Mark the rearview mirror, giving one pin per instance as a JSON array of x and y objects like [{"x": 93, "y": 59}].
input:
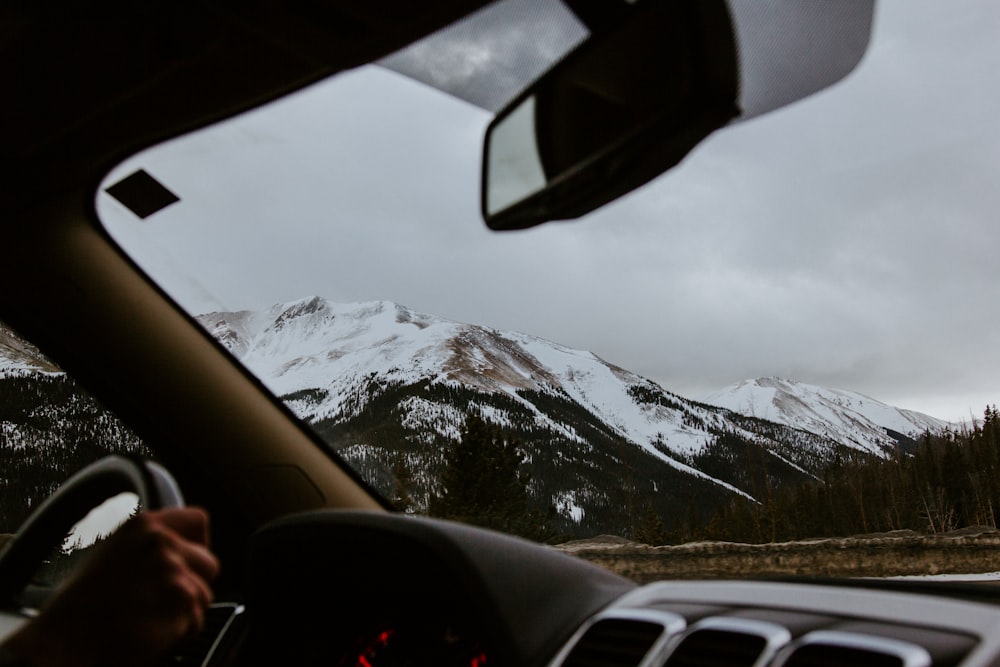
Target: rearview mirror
[{"x": 626, "y": 105}]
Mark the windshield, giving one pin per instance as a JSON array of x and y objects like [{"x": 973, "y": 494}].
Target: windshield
[{"x": 709, "y": 357}]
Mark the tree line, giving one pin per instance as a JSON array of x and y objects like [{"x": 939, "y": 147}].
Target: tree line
[
  {"x": 504, "y": 477},
  {"x": 947, "y": 481},
  {"x": 950, "y": 480}
]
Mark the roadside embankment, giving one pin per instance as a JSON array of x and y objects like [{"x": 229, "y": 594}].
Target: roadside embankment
[{"x": 897, "y": 553}]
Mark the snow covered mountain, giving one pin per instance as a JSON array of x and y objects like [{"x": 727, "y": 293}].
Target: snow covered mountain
[
  {"x": 19, "y": 356},
  {"x": 391, "y": 388},
  {"x": 49, "y": 429},
  {"x": 848, "y": 417},
  {"x": 318, "y": 345}
]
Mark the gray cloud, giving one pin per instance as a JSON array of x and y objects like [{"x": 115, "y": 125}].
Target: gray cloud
[{"x": 523, "y": 39}]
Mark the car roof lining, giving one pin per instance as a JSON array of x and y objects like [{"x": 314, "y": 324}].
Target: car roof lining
[{"x": 143, "y": 72}]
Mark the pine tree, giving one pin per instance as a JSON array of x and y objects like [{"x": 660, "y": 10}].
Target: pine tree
[
  {"x": 481, "y": 482},
  {"x": 402, "y": 482},
  {"x": 651, "y": 530}
]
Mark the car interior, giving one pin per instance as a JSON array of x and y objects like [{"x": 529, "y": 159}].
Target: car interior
[{"x": 317, "y": 566}]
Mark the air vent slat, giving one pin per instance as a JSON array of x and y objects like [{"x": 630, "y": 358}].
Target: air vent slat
[
  {"x": 838, "y": 656},
  {"x": 836, "y": 649},
  {"x": 614, "y": 643},
  {"x": 717, "y": 648}
]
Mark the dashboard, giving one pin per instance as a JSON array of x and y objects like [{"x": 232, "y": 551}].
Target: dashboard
[
  {"x": 377, "y": 590},
  {"x": 360, "y": 588}
]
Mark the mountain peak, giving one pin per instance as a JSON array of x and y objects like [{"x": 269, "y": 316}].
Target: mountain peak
[
  {"x": 313, "y": 309},
  {"x": 847, "y": 416}
]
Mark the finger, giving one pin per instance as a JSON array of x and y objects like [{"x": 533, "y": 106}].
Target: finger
[
  {"x": 187, "y": 595},
  {"x": 198, "y": 559},
  {"x": 190, "y": 522},
  {"x": 193, "y": 598},
  {"x": 195, "y": 591}
]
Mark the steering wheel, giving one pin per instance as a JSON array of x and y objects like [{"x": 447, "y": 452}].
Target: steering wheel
[{"x": 106, "y": 478}]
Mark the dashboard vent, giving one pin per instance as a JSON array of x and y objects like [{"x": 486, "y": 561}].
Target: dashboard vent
[
  {"x": 728, "y": 642},
  {"x": 835, "y": 649},
  {"x": 222, "y": 621},
  {"x": 614, "y": 642},
  {"x": 621, "y": 639}
]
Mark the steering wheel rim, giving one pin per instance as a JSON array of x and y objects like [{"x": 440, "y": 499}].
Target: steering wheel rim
[{"x": 106, "y": 478}]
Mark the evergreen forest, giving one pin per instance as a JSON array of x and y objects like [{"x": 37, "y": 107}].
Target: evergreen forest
[
  {"x": 949, "y": 481},
  {"x": 946, "y": 482},
  {"x": 49, "y": 429}
]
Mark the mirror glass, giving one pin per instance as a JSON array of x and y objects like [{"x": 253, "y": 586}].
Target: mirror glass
[{"x": 514, "y": 169}]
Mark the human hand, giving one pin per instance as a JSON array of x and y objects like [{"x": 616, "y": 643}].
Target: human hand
[{"x": 144, "y": 589}]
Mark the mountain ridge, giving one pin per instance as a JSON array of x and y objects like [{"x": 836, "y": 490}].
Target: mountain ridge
[
  {"x": 848, "y": 416},
  {"x": 390, "y": 388},
  {"x": 386, "y": 383}
]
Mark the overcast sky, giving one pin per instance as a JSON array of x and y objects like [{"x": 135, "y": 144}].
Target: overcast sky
[{"x": 848, "y": 240}]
